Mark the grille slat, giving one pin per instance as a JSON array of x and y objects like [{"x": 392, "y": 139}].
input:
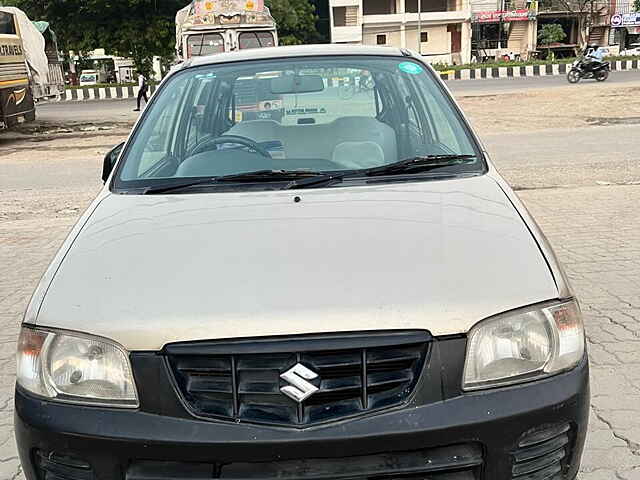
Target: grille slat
[
  {"x": 246, "y": 386},
  {"x": 542, "y": 454}
]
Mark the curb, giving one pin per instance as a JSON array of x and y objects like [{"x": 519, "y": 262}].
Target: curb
[
  {"x": 527, "y": 71},
  {"x": 102, "y": 93}
]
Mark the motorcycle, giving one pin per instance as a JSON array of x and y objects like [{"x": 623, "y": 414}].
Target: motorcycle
[{"x": 582, "y": 69}]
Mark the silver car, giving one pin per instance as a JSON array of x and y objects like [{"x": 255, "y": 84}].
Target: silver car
[{"x": 303, "y": 266}]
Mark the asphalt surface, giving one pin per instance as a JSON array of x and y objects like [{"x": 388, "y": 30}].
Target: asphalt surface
[
  {"x": 122, "y": 110},
  {"x": 581, "y": 184},
  {"x": 519, "y": 84}
]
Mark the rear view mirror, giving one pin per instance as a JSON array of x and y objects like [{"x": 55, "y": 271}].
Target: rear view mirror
[
  {"x": 289, "y": 84},
  {"x": 110, "y": 160}
]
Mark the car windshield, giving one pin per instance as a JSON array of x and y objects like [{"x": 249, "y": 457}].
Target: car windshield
[{"x": 313, "y": 114}]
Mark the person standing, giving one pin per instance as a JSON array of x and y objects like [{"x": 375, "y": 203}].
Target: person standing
[{"x": 142, "y": 92}]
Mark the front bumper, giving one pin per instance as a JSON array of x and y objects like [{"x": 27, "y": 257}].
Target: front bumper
[{"x": 519, "y": 432}]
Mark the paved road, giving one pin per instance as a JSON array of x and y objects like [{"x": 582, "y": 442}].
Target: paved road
[
  {"x": 514, "y": 85},
  {"x": 46, "y": 183},
  {"x": 89, "y": 111},
  {"x": 122, "y": 110}
]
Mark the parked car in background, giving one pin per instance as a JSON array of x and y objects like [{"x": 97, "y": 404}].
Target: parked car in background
[
  {"x": 632, "y": 51},
  {"x": 348, "y": 289},
  {"x": 92, "y": 77}
]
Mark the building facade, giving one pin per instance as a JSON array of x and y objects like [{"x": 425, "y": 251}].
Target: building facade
[
  {"x": 503, "y": 28},
  {"x": 443, "y": 27},
  {"x": 625, "y": 26}
]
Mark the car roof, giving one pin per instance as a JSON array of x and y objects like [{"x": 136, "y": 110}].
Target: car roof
[{"x": 270, "y": 53}]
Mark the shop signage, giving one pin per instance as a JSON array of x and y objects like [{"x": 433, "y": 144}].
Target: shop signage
[
  {"x": 504, "y": 15},
  {"x": 626, "y": 20}
]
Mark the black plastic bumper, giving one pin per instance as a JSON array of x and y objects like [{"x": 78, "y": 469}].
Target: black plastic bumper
[{"x": 493, "y": 435}]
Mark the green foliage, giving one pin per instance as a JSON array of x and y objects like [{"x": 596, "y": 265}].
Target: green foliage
[
  {"x": 636, "y": 5},
  {"x": 551, "y": 33},
  {"x": 296, "y": 21},
  {"x": 139, "y": 29}
]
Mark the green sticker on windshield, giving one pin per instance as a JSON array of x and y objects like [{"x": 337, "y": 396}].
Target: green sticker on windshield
[{"x": 410, "y": 67}]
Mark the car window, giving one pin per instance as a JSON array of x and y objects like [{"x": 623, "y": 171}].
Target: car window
[
  {"x": 324, "y": 114},
  {"x": 354, "y": 86}
]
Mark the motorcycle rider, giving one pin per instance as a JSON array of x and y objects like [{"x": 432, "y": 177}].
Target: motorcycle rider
[{"x": 593, "y": 57}]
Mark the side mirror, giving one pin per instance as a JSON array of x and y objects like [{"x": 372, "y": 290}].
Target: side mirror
[{"x": 110, "y": 160}]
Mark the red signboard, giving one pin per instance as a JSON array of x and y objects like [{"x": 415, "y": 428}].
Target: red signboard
[{"x": 507, "y": 16}]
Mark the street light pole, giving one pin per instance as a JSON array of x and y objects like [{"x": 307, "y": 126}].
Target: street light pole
[
  {"x": 500, "y": 24},
  {"x": 420, "y": 27}
]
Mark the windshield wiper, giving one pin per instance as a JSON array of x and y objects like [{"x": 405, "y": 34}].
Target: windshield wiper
[
  {"x": 257, "y": 176},
  {"x": 315, "y": 181},
  {"x": 427, "y": 162}
]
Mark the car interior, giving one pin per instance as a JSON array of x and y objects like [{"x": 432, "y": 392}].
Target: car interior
[{"x": 316, "y": 121}]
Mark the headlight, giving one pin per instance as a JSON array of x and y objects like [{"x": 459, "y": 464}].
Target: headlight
[
  {"x": 75, "y": 368},
  {"x": 524, "y": 345}
]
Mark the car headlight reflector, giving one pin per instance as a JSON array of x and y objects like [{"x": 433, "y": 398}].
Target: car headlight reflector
[
  {"x": 524, "y": 345},
  {"x": 75, "y": 368}
]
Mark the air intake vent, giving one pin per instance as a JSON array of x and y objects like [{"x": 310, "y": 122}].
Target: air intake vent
[
  {"x": 541, "y": 454},
  {"x": 348, "y": 375},
  {"x": 55, "y": 466}
]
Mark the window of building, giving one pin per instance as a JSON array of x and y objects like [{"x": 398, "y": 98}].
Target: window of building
[
  {"x": 345, "y": 16},
  {"x": 381, "y": 39},
  {"x": 339, "y": 16},
  {"x": 379, "y": 7},
  {"x": 7, "y": 25},
  {"x": 424, "y": 37},
  {"x": 411, "y": 6}
]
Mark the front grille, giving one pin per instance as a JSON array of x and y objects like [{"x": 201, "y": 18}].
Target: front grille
[
  {"x": 457, "y": 462},
  {"x": 241, "y": 380},
  {"x": 54, "y": 466},
  {"x": 541, "y": 453}
]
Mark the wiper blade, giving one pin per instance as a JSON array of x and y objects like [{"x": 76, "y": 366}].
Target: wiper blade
[
  {"x": 315, "y": 181},
  {"x": 177, "y": 186},
  {"x": 256, "y": 176},
  {"x": 427, "y": 162},
  {"x": 267, "y": 175}
]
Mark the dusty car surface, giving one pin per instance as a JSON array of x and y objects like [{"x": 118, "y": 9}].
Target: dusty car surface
[{"x": 303, "y": 265}]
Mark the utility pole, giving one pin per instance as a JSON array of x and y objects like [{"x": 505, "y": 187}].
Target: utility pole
[
  {"x": 420, "y": 27},
  {"x": 500, "y": 24}
]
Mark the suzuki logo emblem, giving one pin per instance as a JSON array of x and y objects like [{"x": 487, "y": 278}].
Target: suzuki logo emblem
[{"x": 299, "y": 389}]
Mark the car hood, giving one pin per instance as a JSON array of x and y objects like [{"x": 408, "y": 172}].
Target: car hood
[{"x": 439, "y": 255}]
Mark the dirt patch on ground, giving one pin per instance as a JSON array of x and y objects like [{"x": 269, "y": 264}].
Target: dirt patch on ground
[{"x": 573, "y": 106}]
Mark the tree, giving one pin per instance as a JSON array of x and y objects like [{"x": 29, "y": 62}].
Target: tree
[
  {"x": 550, "y": 33},
  {"x": 140, "y": 29},
  {"x": 636, "y": 6},
  {"x": 296, "y": 21}
]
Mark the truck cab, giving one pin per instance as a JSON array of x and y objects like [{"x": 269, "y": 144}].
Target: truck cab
[{"x": 206, "y": 29}]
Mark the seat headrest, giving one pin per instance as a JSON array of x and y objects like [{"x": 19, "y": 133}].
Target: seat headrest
[{"x": 358, "y": 155}]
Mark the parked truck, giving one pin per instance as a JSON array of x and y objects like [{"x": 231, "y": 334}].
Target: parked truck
[
  {"x": 16, "y": 101},
  {"x": 206, "y": 27},
  {"x": 30, "y": 69}
]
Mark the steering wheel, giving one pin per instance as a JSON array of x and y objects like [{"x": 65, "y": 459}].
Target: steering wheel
[{"x": 237, "y": 139}]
